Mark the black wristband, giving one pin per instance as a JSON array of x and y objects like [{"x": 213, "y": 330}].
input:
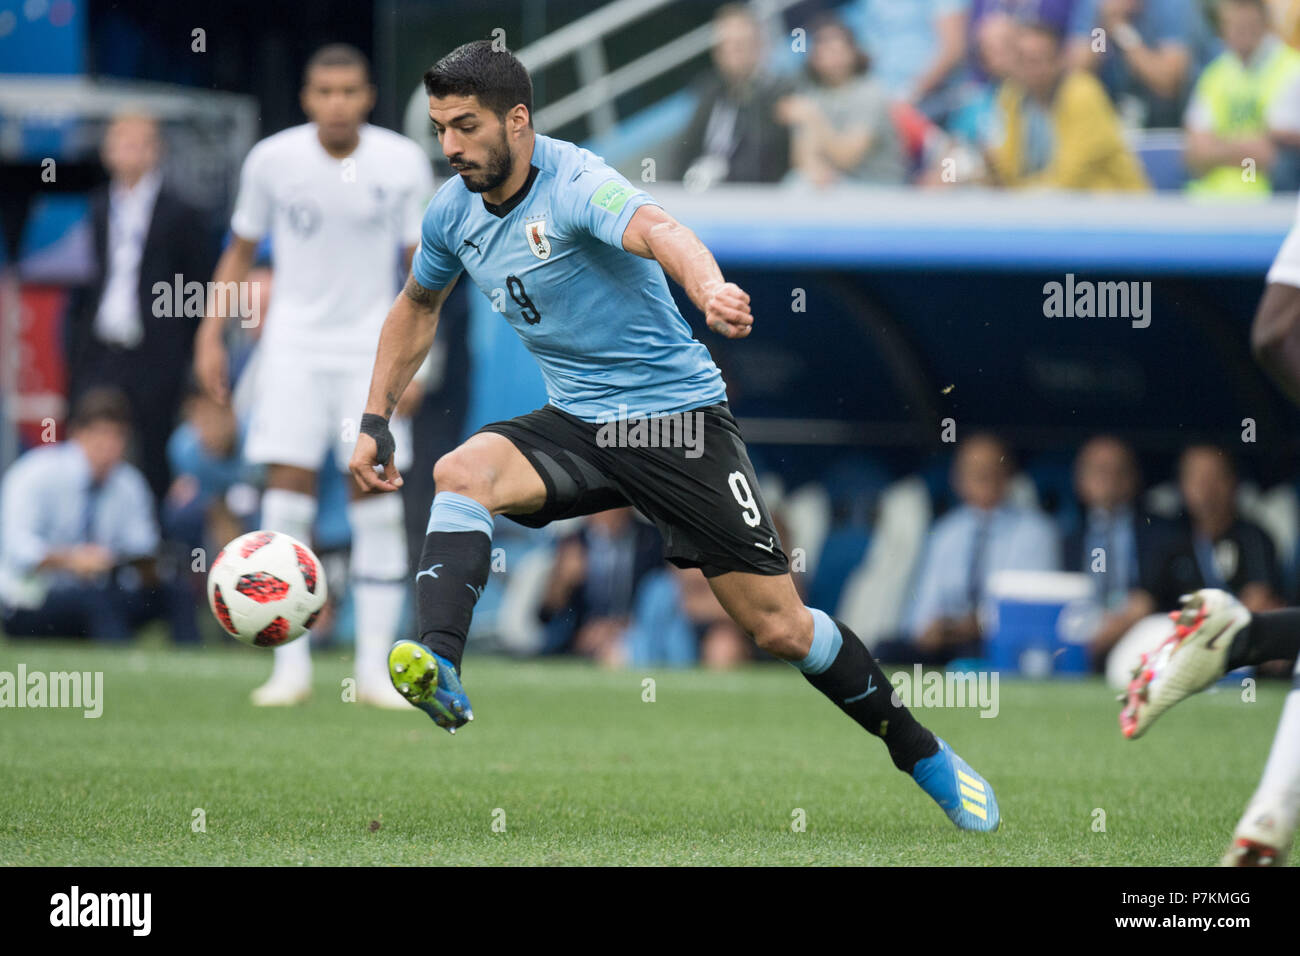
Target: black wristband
[{"x": 376, "y": 426}]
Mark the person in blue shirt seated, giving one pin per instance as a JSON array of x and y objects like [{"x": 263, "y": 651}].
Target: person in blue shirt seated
[
  {"x": 78, "y": 536},
  {"x": 985, "y": 534},
  {"x": 918, "y": 48},
  {"x": 678, "y": 622},
  {"x": 593, "y": 584},
  {"x": 213, "y": 496},
  {"x": 1147, "y": 53},
  {"x": 1120, "y": 544}
]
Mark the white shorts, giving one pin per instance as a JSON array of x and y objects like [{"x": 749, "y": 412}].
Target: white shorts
[
  {"x": 299, "y": 410},
  {"x": 1286, "y": 267}
]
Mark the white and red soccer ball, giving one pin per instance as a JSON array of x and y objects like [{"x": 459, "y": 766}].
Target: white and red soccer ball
[{"x": 266, "y": 588}]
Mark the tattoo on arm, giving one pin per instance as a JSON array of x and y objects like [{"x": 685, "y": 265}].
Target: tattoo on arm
[
  {"x": 425, "y": 298},
  {"x": 390, "y": 403}
]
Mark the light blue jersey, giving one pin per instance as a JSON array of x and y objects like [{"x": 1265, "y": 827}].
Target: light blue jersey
[{"x": 599, "y": 320}]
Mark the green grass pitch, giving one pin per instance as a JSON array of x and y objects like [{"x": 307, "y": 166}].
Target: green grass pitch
[{"x": 573, "y": 767}]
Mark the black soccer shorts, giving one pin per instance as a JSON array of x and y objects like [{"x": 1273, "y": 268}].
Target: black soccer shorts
[{"x": 688, "y": 473}]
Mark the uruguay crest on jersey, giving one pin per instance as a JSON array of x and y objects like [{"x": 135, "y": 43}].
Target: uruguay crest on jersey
[{"x": 535, "y": 230}]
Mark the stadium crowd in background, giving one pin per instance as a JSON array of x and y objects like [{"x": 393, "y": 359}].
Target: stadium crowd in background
[
  {"x": 985, "y": 534},
  {"x": 840, "y": 118},
  {"x": 1219, "y": 548},
  {"x": 1198, "y": 538},
  {"x": 734, "y": 134},
  {"x": 593, "y": 584},
  {"x": 1227, "y": 127},
  {"x": 1015, "y": 93},
  {"x": 1135, "y": 541},
  {"x": 919, "y": 49},
  {"x": 79, "y": 547},
  {"x": 1020, "y": 88},
  {"x": 1058, "y": 128},
  {"x": 1152, "y": 52}
]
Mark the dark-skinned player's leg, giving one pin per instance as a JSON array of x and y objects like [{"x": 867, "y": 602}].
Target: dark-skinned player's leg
[
  {"x": 838, "y": 664},
  {"x": 1215, "y": 633},
  {"x": 1275, "y": 339},
  {"x": 1267, "y": 827},
  {"x": 483, "y": 477},
  {"x": 1275, "y": 336}
]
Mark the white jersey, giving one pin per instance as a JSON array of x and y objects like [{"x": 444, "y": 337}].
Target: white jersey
[
  {"x": 1286, "y": 266},
  {"x": 336, "y": 227}
]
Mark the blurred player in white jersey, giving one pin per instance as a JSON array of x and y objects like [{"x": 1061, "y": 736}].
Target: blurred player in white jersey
[
  {"x": 342, "y": 200},
  {"x": 1216, "y": 634}
]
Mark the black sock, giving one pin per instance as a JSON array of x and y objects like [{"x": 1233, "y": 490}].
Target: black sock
[
  {"x": 1270, "y": 636},
  {"x": 856, "y": 685},
  {"x": 445, "y": 603}
]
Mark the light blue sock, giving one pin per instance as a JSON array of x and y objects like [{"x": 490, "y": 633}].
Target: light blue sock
[
  {"x": 453, "y": 512},
  {"x": 826, "y": 644}
]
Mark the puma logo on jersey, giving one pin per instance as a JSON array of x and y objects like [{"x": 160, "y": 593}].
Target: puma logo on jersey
[
  {"x": 474, "y": 245},
  {"x": 769, "y": 547},
  {"x": 538, "y": 244}
]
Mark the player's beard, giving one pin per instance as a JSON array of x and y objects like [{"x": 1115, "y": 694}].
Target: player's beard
[{"x": 500, "y": 164}]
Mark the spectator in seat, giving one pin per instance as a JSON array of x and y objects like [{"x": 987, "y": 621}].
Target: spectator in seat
[
  {"x": 975, "y": 125},
  {"x": 985, "y": 534},
  {"x": 734, "y": 134},
  {"x": 678, "y": 622},
  {"x": 917, "y": 47},
  {"x": 143, "y": 234},
  {"x": 1000, "y": 13},
  {"x": 1118, "y": 543},
  {"x": 1245, "y": 109},
  {"x": 1058, "y": 128},
  {"x": 841, "y": 126},
  {"x": 589, "y": 597},
  {"x": 1218, "y": 547},
  {"x": 1145, "y": 52},
  {"x": 78, "y": 536},
  {"x": 214, "y": 493}
]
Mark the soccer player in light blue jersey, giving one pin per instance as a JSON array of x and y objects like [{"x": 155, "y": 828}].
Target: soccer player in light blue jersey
[{"x": 576, "y": 256}]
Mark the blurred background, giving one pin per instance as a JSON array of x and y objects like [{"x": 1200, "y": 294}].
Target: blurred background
[{"x": 1003, "y": 254}]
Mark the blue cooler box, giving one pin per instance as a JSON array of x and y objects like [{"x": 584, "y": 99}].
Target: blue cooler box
[{"x": 1039, "y": 623}]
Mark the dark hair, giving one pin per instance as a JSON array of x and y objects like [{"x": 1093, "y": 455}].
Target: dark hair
[
  {"x": 1044, "y": 28},
  {"x": 337, "y": 54},
  {"x": 101, "y": 404},
  {"x": 828, "y": 21},
  {"x": 496, "y": 77}
]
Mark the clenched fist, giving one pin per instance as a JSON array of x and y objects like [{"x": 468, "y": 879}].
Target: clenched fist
[{"x": 727, "y": 311}]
